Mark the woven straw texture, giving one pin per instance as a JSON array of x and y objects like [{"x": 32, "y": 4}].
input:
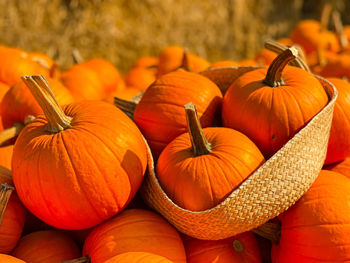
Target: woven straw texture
[{"x": 266, "y": 193}]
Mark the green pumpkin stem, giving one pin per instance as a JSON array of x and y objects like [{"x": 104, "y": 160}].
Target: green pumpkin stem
[
  {"x": 270, "y": 231},
  {"x": 5, "y": 194},
  {"x": 274, "y": 73},
  {"x": 39, "y": 87},
  {"x": 200, "y": 145},
  {"x": 128, "y": 107},
  {"x": 85, "y": 259},
  {"x": 339, "y": 28}
]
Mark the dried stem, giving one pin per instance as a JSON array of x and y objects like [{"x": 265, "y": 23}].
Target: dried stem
[
  {"x": 278, "y": 48},
  {"x": 5, "y": 194},
  {"x": 128, "y": 107},
  {"x": 270, "y": 231},
  {"x": 338, "y": 24},
  {"x": 11, "y": 132},
  {"x": 274, "y": 73},
  {"x": 77, "y": 57},
  {"x": 57, "y": 120},
  {"x": 324, "y": 20},
  {"x": 200, "y": 145},
  {"x": 85, "y": 259}
]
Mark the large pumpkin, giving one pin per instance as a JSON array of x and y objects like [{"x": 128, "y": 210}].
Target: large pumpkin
[
  {"x": 85, "y": 163},
  {"x": 50, "y": 246},
  {"x": 271, "y": 106},
  {"x": 138, "y": 257},
  {"x": 134, "y": 230},
  {"x": 160, "y": 115},
  {"x": 199, "y": 169},
  {"x": 316, "y": 228},
  {"x": 339, "y": 140},
  {"x": 242, "y": 248},
  {"x": 12, "y": 222},
  {"x": 10, "y": 259}
]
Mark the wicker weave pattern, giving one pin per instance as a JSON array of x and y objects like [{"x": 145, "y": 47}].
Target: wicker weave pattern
[{"x": 269, "y": 191}]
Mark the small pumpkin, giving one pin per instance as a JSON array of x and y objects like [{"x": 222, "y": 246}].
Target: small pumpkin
[
  {"x": 160, "y": 115},
  {"x": 49, "y": 246},
  {"x": 242, "y": 248},
  {"x": 138, "y": 257},
  {"x": 316, "y": 228},
  {"x": 139, "y": 78},
  {"x": 92, "y": 170},
  {"x": 12, "y": 213},
  {"x": 199, "y": 169},
  {"x": 172, "y": 58},
  {"x": 271, "y": 105},
  {"x": 134, "y": 230}
]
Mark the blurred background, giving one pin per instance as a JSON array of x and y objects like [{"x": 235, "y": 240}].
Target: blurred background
[{"x": 122, "y": 31}]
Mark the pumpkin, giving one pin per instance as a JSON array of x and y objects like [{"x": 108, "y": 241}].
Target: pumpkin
[
  {"x": 139, "y": 78},
  {"x": 12, "y": 214},
  {"x": 6, "y": 156},
  {"x": 126, "y": 94},
  {"x": 266, "y": 56},
  {"x": 160, "y": 115},
  {"x": 134, "y": 230},
  {"x": 50, "y": 246},
  {"x": 199, "y": 169},
  {"x": 46, "y": 62},
  {"x": 9, "y": 259},
  {"x": 224, "y": 64},
  {"x": 310, "y": 33},
  {"x": 342, "y": 167},
  {"x": 242, "y": 248},
  {"x": 147, "y": 62},
  {"x": 172, "y": 58},
  {"x": 339, "y": 141},
  {"x": 338, "y": 67},
  {"x": 18, "y": 102},
  {"x": 90, "y": 155},
  {"x": 15, "y": 63},
  {"x": 271, "y": 105},
  {"x": 316, "y": 228},
  {"x": 138, "y": 257},
  {"x": 83, "y": 83},
  {"x": 107, "y": 74}
]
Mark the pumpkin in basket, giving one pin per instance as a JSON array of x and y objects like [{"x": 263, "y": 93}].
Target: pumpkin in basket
[
  {"x": 86, "y": 162},
  {"x": 271, "y": 105},
  {"x": 316, "y": 228},
  {"x": 160, "y": 115},
  {"x": 134, "y": 230},
  {"x": 199, "y": 169},
  {"x": 242, "y": 248}
]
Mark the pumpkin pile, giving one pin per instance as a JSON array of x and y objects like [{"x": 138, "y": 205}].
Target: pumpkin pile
[{"x": 179, "y": 160}]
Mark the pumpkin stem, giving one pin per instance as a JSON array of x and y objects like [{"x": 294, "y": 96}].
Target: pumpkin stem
[
  {"x": 128, "y": 107},
  {"x": 11, "y": 132},
  {"x": 77, "y": 57},
  {"x": 338, "y": 24},
  {"x": 85, "y": 259},
  {"x": 278, "y": 48},
  {"x": 237, "y": 246},
  {"x": 324, "y": 20},
  {"x": 274, "y": 73},
  {"x": 270, "y": 231},
  {"x": 200, "y": 145},
  {"x": 57, "y": 120},
  {"x": 185, "y": 63},
  {"x": 322, "y": 61},
  {"x": 5, "y": 194}
]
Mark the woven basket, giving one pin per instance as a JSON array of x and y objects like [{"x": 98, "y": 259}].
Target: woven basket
[{"x": 270, "y": 190}]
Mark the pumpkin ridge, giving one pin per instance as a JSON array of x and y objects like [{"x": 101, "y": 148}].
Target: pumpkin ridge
[
  {"x": 285, "y": 111},
  {"x": 210, "y": 184},
  {"x": 223, "y": 173},
  {"x": 347, "y": 118},
  {"x": 78, "y": 182}
]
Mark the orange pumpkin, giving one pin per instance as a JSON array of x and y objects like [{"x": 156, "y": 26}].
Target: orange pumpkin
[
  {"x": 91, "y": 157},
  {"x": 139, "y": 78},
  {"x": 172, "y": 57},
  {"x": 46, "y": 62},
  {"x": 265, "y": 56},
  {"x": 199, "y": 169},
  {"x": 6, "y": 156},
  {"x": 271, "y": 106},
  {"x": 138, "y": 257},
  {"x": 160, "y": 115},
  {"x": 134, "y": 230},
  {"x": 50, "y": 246},
  {"x": 107, "y": 74},
  {"x": 338, "y": 67},
  {"x": 310, "y": 33},
  {"x": 242, "y": 248},
  {"x": 342, "y": 167},
  {"x": 18, "y": 102},
  {"x": 316, "y": 228},
  {"x": 83, "y": 83},
  {"x": 339, "y": 140},
  {"x": 147, "y": 62},
  {"x": 12, "y": 222},
  {"x": 9, "y": 259},
  {"x": 126, "y": 94}
]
